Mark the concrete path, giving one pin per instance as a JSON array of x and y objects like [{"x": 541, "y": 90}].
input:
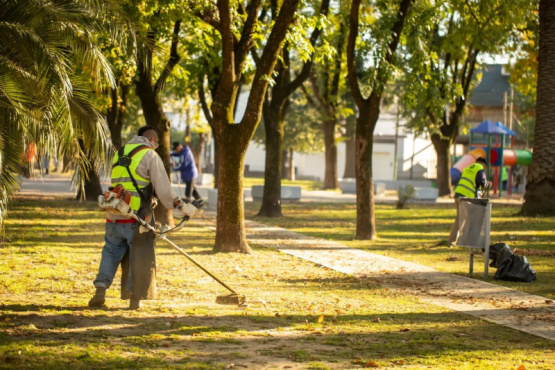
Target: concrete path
[{"x": 518, "y": 310}]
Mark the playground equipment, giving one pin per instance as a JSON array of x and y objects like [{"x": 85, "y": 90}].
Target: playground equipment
[{"x": 495, "y": 142}]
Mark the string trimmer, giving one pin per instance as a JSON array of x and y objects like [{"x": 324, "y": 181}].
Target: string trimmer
[{"x": 116, "y": 201}]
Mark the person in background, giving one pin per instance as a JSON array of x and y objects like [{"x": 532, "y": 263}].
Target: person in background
[
  {"x": 504, "y": 178},
  {"x": 187, "y": 168},
  {"x": 472, "y": 179},
  {"x": 45, "y": 164}
]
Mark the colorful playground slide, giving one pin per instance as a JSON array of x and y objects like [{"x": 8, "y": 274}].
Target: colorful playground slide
[{"x": 510, "y": 158}]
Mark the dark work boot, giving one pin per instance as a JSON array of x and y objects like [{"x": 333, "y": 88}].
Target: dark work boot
[
  {"x": 99, "y": 298},
  {"x": 134, "y": 304}
]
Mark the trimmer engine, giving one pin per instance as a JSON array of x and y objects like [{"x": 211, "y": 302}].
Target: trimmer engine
[{"x": 116, "y": 201}]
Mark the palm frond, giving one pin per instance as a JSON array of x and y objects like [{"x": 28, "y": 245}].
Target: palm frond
[{"x": 41, "y": 98}]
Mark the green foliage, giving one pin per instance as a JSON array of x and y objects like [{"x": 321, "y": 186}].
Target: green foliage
[
  {"x": 48, "y": 54},
  {"x": 524, "y": 75},
  {"x": 442, "y": 44},
  {"x": 302, "y": 130}
]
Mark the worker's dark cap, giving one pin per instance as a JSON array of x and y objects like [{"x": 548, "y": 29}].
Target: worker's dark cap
[
  {"x": 481, "y": 160},
  {"x": 175, "y": 145},
  {"x": 146, "y": 128}
]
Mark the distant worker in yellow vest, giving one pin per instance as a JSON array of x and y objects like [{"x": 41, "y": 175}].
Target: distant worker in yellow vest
[
  {"x": 472, "y": 179},
  {"x": 140, "y": 170},
  {"x": 505, "y": 178}
]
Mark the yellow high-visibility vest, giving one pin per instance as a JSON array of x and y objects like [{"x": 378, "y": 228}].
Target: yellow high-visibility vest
[
  {"x": 467, "y": 184},
  {"x": 120, "y": 175}
]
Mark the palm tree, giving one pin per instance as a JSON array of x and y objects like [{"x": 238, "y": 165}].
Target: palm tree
[
  {"x": 47, "y": 53},
  {"x": 540, "y": 188}
]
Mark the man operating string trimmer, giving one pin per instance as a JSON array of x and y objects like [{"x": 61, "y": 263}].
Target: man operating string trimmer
[{"x": 139, "y": 172}]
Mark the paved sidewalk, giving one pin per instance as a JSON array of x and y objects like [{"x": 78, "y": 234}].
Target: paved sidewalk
[
  {"x": 60, "y": 185},
  {"x": 518, "y": 310}
]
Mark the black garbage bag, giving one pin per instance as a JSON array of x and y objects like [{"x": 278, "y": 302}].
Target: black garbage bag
[{"x": 509, "y": 266}]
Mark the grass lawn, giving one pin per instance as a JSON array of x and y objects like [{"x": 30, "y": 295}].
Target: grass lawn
[
  {"x": 299, "y": 315},
  {"x": 416, "y": 235}
]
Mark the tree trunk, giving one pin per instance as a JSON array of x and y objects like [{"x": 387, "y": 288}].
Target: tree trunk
[
  {"x": 271, "y": 202},
  {"x": 369, "y": 111},
  {"x": 230, "y": 231},
  {"x": 330, "y": 176},
  {"x": 233, "y": 138},
  {"x": 197, "y": 150},
  {"x": 112, "y": 117},
  {"x": 350, "y": 168},
  {"x": 116, "y": 114},
  {"x": 539, "y": 198},
  {"x": 92, "y": 186},
  {"x": 216, "y": 161},
  {"x": 284, "y": 165},
  {"x": 443, "y": 182},
  {"x": 149, "y": 92},
  {"x": 291, "y": 167},
  {"x": 154, "y": 116},
  {"x": 366, "y": 219}
]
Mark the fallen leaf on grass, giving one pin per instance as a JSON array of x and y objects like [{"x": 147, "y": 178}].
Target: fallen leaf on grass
[
  {"x": 321, "y": 319},
  {"x": 371, "y": 364},
  {"x": 521, "y": 367}
]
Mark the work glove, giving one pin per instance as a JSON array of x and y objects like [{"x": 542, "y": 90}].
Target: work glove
[{"x": 182, "y": 209}]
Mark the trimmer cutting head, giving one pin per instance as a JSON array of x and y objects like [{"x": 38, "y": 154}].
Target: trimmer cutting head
[{"x": 237, "y": 299}]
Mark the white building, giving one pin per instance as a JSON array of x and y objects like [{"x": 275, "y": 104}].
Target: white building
[
  {"x": 412, "y": 152},
  {"x": 312, "y": 165}
]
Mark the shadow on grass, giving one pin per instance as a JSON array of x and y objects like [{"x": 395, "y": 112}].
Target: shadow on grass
[{"x": 60, "y": 339}]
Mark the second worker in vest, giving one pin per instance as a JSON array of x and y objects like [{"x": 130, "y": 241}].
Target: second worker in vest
[
  {"x": 140, "y": 170},
  {"x": 472, "y": 179}
]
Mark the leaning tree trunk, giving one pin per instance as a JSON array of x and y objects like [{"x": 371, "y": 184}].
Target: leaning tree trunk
[
  {"x": 230, "y": 233},
  {"x": 350, "y": 169},
  {"x": 116, "y": 114},
  {"x": 330, "y": 176},
  {"x": 441, "y": 146},
  {"x": 366, "y": 122},
  {"x": 154, "y": 116},
  {"x": 540, "y": 187},
  {"x": 271, "y": 201}
]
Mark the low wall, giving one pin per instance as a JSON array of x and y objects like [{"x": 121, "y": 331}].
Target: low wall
[
  {"x": 288, "y": 193},
  {"x": 348, "y": 186}
]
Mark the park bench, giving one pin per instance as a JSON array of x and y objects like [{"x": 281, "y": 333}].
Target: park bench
[
  {"x": 348, "y": 186},
  {"x": 426, "y": 193},
  {"x": 288, "y": 193}
]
